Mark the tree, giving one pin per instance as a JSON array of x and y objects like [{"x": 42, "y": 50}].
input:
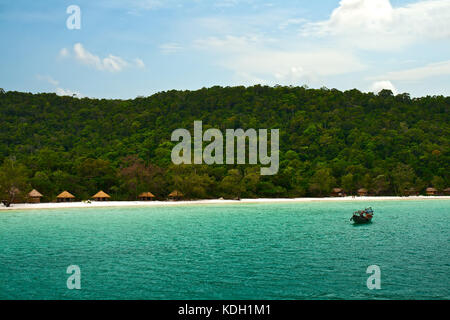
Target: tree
[
  {"x": 41, "y": 182},
  {"x": 380, "y": 184},
  {"x": 348, "y": 183},
  {"x": 366, "y": 140},
  {"x": 13, "y": 181},
  {"x": 403, "y": 178},
  {"x": 231, "y": 186},
  {"x": 322, "y": 182},
  {"x": 438, "y": 183},
  {"x": 138, "y": 177}
]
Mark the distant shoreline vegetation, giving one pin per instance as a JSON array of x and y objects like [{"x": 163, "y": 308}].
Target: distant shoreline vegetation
[
  {"x": 235, "y": 147},
  {"x": 383, "y": 143}
]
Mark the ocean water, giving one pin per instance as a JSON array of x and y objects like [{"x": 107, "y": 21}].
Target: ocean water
[{"x": 244, "y": 251}]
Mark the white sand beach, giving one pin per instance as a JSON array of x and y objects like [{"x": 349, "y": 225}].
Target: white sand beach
[{"x": 96, "y": 204}]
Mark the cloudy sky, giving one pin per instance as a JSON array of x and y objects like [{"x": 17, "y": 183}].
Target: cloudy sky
[{"x": 127, "y": 48}]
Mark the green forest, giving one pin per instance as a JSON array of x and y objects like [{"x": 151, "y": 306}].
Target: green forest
[{"x": 389, "y": 144}]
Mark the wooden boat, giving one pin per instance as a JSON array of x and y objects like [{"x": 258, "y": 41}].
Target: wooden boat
[{"x": 362, "y": 216}]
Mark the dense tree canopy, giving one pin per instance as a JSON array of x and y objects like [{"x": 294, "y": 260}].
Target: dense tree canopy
[{"x": 385, "y": 143}]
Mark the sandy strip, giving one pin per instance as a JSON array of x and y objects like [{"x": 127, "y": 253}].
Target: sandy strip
[{"x": 95, "y": 204}]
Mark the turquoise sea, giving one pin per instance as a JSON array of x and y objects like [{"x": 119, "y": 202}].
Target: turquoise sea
[{"x": 243, "y": 251}]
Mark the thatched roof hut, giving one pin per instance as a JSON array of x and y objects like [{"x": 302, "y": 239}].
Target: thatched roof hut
[
  {"x": 176, "y": 195},
  {"x": 410, "y": 192},
  {"x": 34, "y": 196},
  {"x": 146, "y": 196},
  {"x": 447, "y": 191},
  {"x": 337, "y": 192},
  {"x": 101, "y": 196},
  {"x": 431, "y": 191},
  {"x": 65, "y": 197},
  {"x": 363, "y": 192}
]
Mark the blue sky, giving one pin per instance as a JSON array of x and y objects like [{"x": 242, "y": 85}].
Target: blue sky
[{"x": 127, "y": 48}]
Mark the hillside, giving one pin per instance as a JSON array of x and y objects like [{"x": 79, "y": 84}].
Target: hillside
[{"x": 328, "y": 138}]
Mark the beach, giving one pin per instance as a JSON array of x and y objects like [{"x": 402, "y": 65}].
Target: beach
[{"x": 103, "y": 204}]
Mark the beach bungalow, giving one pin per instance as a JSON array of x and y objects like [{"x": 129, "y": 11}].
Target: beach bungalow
[
  {"x": 34, "y": 196},
  {"x": 101, "y": 196},
  {"x": 337, "y": 192},
  {"x": 363, "y": 192},
  {"x": 65, "y": 197},
  {"x": 176, "y": 195},
  {"x": 146, "y": 196},
  {"x": 410, "y": 192},
  {"x": 447, "y": 192},
  {"x": 431, "y": 192}
]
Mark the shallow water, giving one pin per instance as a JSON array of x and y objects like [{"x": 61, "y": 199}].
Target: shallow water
[{"x": 244, "y": 251}]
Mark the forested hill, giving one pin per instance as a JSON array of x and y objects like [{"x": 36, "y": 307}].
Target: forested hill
[{"x": 328, "y": 139}]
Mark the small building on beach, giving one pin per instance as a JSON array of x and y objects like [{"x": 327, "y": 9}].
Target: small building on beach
[
  {"x": 410, "y": 192},
  {"x": 101, "y": 196},
  {"x": 447, "y": 192},
  {"x": 431, "y": 192},
  {"x": 176, "y": 195},
  {"x": 363, "y": 192},
  {"x": 146, "y": 196},
  {"x": 65, "y": 197},
  {"x": 34, "y": 196},
  {"x": 337, "y": 192}
]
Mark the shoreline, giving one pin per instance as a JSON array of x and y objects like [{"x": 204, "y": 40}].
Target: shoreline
[{"x": 118, "y": 204}]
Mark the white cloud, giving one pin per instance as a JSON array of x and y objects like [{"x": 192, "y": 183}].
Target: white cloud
[
  {"x": 64, "y": 53},
  {"x": 256, "y": 57},
  {"x": 48, "y": 79},
  {"x": 376, "y": 25},
  {"x": 139, "y": 63},
  {"x": 59, "y": 91},
  {"x": 283, "y": 25},
  {"x": 420, "y": 73},
  {"x": 381, "y": 85},
  {"x": 170, "y": 47},
  {"x": 110, "y": 63},
  {"x": 67, "y": 92}
]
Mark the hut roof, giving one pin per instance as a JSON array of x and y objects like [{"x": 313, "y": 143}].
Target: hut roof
[
  {"x": 447, "y": 190},
  {"x": 65, "y": 194},
  {"x": 362, "y": 190},
  {"x": 431, "y": 190},
  {"x": 35, "y": 194},
  {"x": 337, "y": 190},
  {"x": 101, "y": 194},
  {"x": 176, "y": 193},
  {"x": 146, "y": 195}
]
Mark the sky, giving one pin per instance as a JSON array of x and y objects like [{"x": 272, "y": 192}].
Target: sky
[{"x": 128, "y": 48}]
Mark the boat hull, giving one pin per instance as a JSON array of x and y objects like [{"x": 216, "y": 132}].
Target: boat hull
[{"x": 361, "y": 220}]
